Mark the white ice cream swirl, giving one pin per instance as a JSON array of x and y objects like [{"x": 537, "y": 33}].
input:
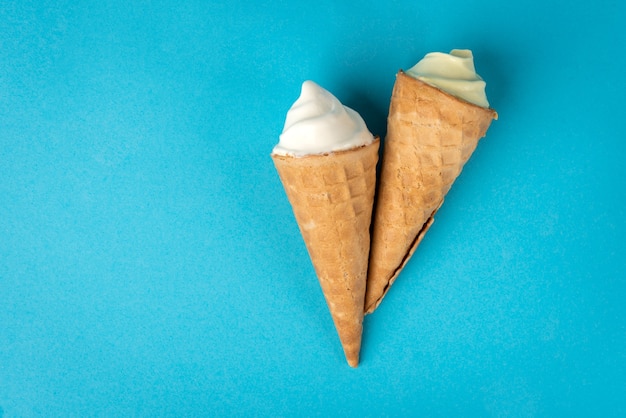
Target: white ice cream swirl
[
  {"x": 453, "y": 73},
  {"x": 318, "y": 123}
]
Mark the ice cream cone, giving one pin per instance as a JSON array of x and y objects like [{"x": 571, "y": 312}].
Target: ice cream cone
[
  {"x": 430, "y": 136},
  {"x": 332, "y": 199}
]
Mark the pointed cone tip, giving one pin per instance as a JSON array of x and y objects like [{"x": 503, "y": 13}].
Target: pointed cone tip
[{"x": 353, "y": 362}]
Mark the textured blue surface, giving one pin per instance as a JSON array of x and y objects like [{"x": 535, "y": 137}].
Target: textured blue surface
[{"x": 150, "y": 264}]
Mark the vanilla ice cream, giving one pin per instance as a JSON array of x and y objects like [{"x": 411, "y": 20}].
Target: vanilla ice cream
[
  {"x": 317, "y": 123},
  {"x": 453, "y": 73}
]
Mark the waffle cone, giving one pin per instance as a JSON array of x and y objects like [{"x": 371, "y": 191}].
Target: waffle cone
[
  {"x": 332, "y": 199},
  {"x": 430, "y": 136}
]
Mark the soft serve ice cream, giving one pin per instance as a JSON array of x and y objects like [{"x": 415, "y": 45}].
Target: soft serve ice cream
[
  {"x": 453, "y": 73},
  {"x": 318, "y": 123},
  {"x": 332, "y": 196},
  {"x": 437, "y": 115}
]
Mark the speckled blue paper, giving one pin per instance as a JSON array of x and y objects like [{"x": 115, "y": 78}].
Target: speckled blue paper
[{"x": 150, "y": 264}]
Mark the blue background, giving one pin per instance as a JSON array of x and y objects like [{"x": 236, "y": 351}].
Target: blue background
[{"x": 150, "y": 264}]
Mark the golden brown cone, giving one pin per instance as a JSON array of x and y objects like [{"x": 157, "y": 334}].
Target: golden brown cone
[
  {"x": 332, "y": 199},
  {"x": 430, "y": 136}
]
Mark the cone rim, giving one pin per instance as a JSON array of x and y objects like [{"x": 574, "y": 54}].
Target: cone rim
[
  {"x": 325, "y": 154},
  {"x": 491, "y": 110}
]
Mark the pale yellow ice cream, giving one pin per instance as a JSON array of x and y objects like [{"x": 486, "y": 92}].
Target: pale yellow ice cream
[{"x": 453, "y": 73}]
